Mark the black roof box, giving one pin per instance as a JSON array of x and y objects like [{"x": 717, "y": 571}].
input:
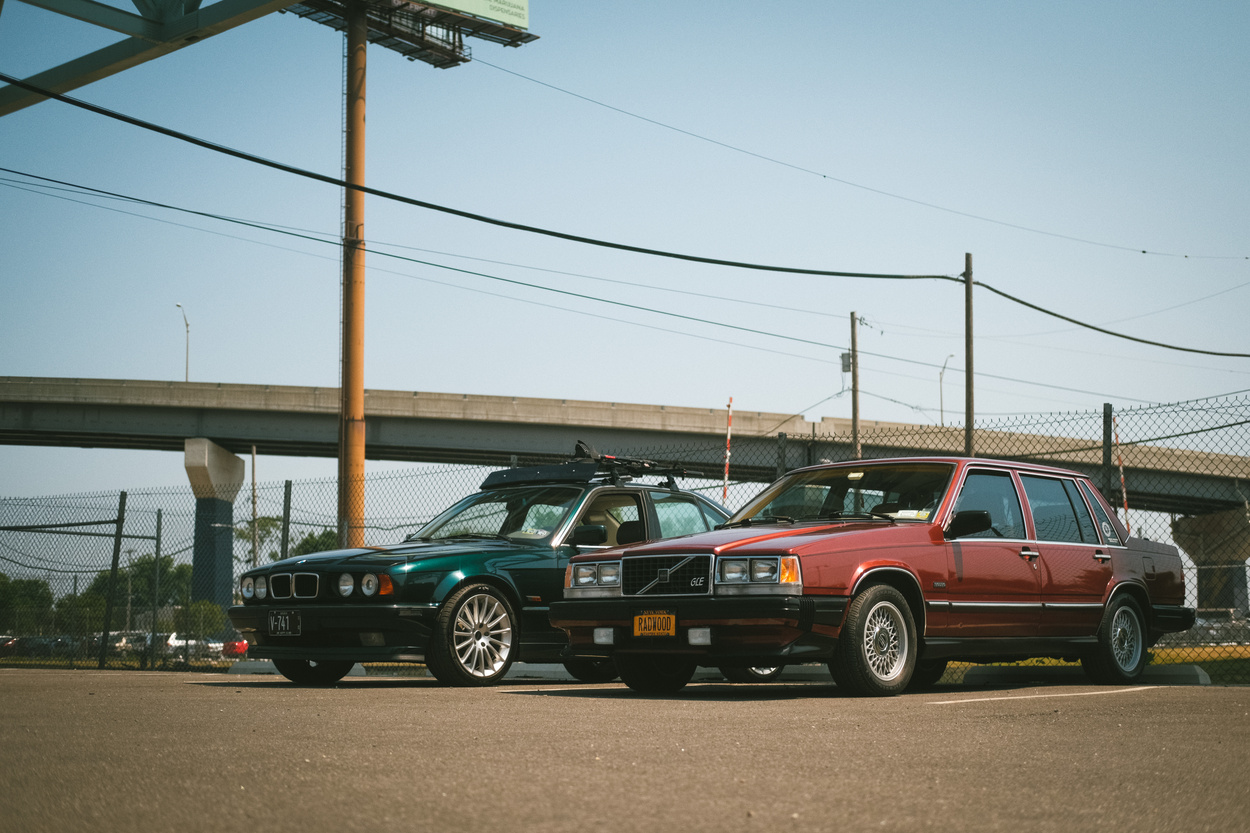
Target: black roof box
[{"x": 578, "y": 471}]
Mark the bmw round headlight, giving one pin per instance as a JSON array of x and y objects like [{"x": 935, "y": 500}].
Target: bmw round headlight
[
  {"x": 369, "y": 584},
  {"x": 347, "y": 583},
  {"x": 248, "y": 588},
  {"x": 262, "y": 587}
]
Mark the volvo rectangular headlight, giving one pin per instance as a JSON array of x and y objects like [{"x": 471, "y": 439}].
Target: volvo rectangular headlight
[
  {"x": 593, "y": 579},
  {"x": 755, "y": 576}
]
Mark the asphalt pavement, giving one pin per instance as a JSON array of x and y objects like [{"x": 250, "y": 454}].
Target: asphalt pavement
[{"x": 159, "y": 751}]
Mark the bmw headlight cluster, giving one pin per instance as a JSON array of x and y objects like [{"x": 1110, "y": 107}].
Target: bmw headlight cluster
[
  {"x": 371, "y": 584},
  {"x": 254, "y": 588},
  {"x": 750, "y": 576},
  {"x": 599, "y": 579}
]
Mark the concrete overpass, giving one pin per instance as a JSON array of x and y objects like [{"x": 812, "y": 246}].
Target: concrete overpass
[{"x": 492, "y": 430}]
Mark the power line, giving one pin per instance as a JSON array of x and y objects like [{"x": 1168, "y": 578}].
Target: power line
[
  {"x": 847, "y": 182},
  {"x": 1103, "y": 330},
  {"x": 455, "y": 212},
  {"x": 596, "y": 299},
  {"x": 238, "y": 154}
]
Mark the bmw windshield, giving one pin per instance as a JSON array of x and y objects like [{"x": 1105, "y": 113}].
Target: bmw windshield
[{"x": 525, "y": 513}]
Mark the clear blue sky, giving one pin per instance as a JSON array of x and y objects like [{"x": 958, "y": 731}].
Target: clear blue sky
[{"x": 1052, "y": 141}]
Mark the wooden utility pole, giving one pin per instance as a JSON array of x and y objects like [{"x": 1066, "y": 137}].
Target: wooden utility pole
[
  {"x": 352, "y": 390},
  {"x": 969, "y": 446},
  {"x": 855, "y": 446}
]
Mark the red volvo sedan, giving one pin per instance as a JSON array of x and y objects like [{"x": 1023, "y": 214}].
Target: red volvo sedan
[{"x": 887, "y": 570}]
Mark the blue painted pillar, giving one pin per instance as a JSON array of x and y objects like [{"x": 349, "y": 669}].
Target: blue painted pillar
[{"x": 216, "y": 476}]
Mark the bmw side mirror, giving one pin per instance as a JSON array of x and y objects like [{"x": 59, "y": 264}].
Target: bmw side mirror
[
  {"x": 968, "y": 522},
  {"x": 590, "y": 535}
]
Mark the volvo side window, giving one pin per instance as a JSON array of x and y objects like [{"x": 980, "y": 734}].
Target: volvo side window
[
  {"x": 1089, "y": 533},
  {"x": 995, "y": 493},
  {"x": 1109, "y": 535},
  {"x": 1058, "y": 514}
]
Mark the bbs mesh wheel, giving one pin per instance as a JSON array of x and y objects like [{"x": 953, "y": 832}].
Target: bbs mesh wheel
[{"x": 876, "y": 651}]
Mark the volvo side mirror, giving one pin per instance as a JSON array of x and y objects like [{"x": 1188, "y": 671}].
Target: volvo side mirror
[{"x": 968, "y": 522}]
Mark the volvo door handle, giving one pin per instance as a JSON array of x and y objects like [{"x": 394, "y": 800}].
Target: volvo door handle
[
  {"x": 1099, "y": 555},
  {"x": 1028, "y": 553}
]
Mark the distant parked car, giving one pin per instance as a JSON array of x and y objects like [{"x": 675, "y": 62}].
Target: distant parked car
[
  {"x": 177, "y": 645},
  {"x": 121, "y": 643},
  {"x": 468, "y": 593},
  {"x": 43, "y": 646},
  {"x": 886, "y": 570},
  {"x": 235, "y": 647},
  {"x": 7, "y": 645}
]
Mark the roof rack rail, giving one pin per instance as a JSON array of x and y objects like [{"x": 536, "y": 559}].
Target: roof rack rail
[{"x": 619, "y": 469}]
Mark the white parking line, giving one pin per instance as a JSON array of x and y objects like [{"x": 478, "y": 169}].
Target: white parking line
[{"x": 1040, "y": 696}]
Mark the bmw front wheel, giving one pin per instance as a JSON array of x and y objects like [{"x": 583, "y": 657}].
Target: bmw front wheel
[{"x": 474, "y": 638}]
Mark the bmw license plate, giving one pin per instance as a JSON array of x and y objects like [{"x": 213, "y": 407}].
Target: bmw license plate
[
  {"x": 284, "y": 623},
  {"x": 655, "y": 623}
]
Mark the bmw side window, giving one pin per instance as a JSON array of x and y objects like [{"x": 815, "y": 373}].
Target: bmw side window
[
  {"x": 679, "y": 516},
  {"x": 994, "y": 493},
  {"x": 619, "y": 515},
  {"x": 1109, "y": 535}
]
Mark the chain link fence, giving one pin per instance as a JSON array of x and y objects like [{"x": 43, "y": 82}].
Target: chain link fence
[{"x": 136, "y": 580}]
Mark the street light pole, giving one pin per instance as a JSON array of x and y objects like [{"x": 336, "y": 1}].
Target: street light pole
[
  {"x": 942, "y": 393},
  {"x": 188, "y": 324}
]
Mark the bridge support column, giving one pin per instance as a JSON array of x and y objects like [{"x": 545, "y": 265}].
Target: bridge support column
[
  {"x": 216, "y": 476},
  {"x": 1219, "y": 545}
]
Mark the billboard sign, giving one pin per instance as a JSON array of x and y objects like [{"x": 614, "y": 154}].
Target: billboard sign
[{"x": 508, "y": 12}]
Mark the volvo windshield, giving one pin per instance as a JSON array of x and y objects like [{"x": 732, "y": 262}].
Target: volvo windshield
[{"x": 893, "y": 491}]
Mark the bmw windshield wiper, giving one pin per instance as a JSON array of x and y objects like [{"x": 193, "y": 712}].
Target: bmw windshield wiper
[
  {"x": 757, "y": 521},
  {"x": 474, "y": 536}
]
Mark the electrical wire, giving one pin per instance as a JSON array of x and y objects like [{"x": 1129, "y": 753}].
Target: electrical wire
[
  {"x": 847, "y": 182},
  {"x": 593, "y": 298},
  {"x": 238, "y": 154},
  {"x": 455, "y": 212}
]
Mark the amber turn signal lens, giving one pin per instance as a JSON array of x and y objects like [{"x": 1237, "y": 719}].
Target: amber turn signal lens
[
  {"x": 790, "y": 570},
  {"x": 386, "y": 585}
]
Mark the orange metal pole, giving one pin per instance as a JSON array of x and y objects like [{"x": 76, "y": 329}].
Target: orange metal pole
[{"x": 352, "y": 409}]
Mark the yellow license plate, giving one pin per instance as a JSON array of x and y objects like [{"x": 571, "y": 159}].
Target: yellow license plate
[{"x": 655, "y": 623}]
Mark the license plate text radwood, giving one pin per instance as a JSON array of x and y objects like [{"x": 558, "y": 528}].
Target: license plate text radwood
[{"x": 655, "y": 623}]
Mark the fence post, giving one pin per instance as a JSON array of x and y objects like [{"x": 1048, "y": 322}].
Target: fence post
[
  {"x": 781, "y": 453},
  {"x": 117, "y": 554},
  {"x": 1108, "y": 476},
  {"x": 150, "y": 654},
  {"x": 286, "y": 517}
]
